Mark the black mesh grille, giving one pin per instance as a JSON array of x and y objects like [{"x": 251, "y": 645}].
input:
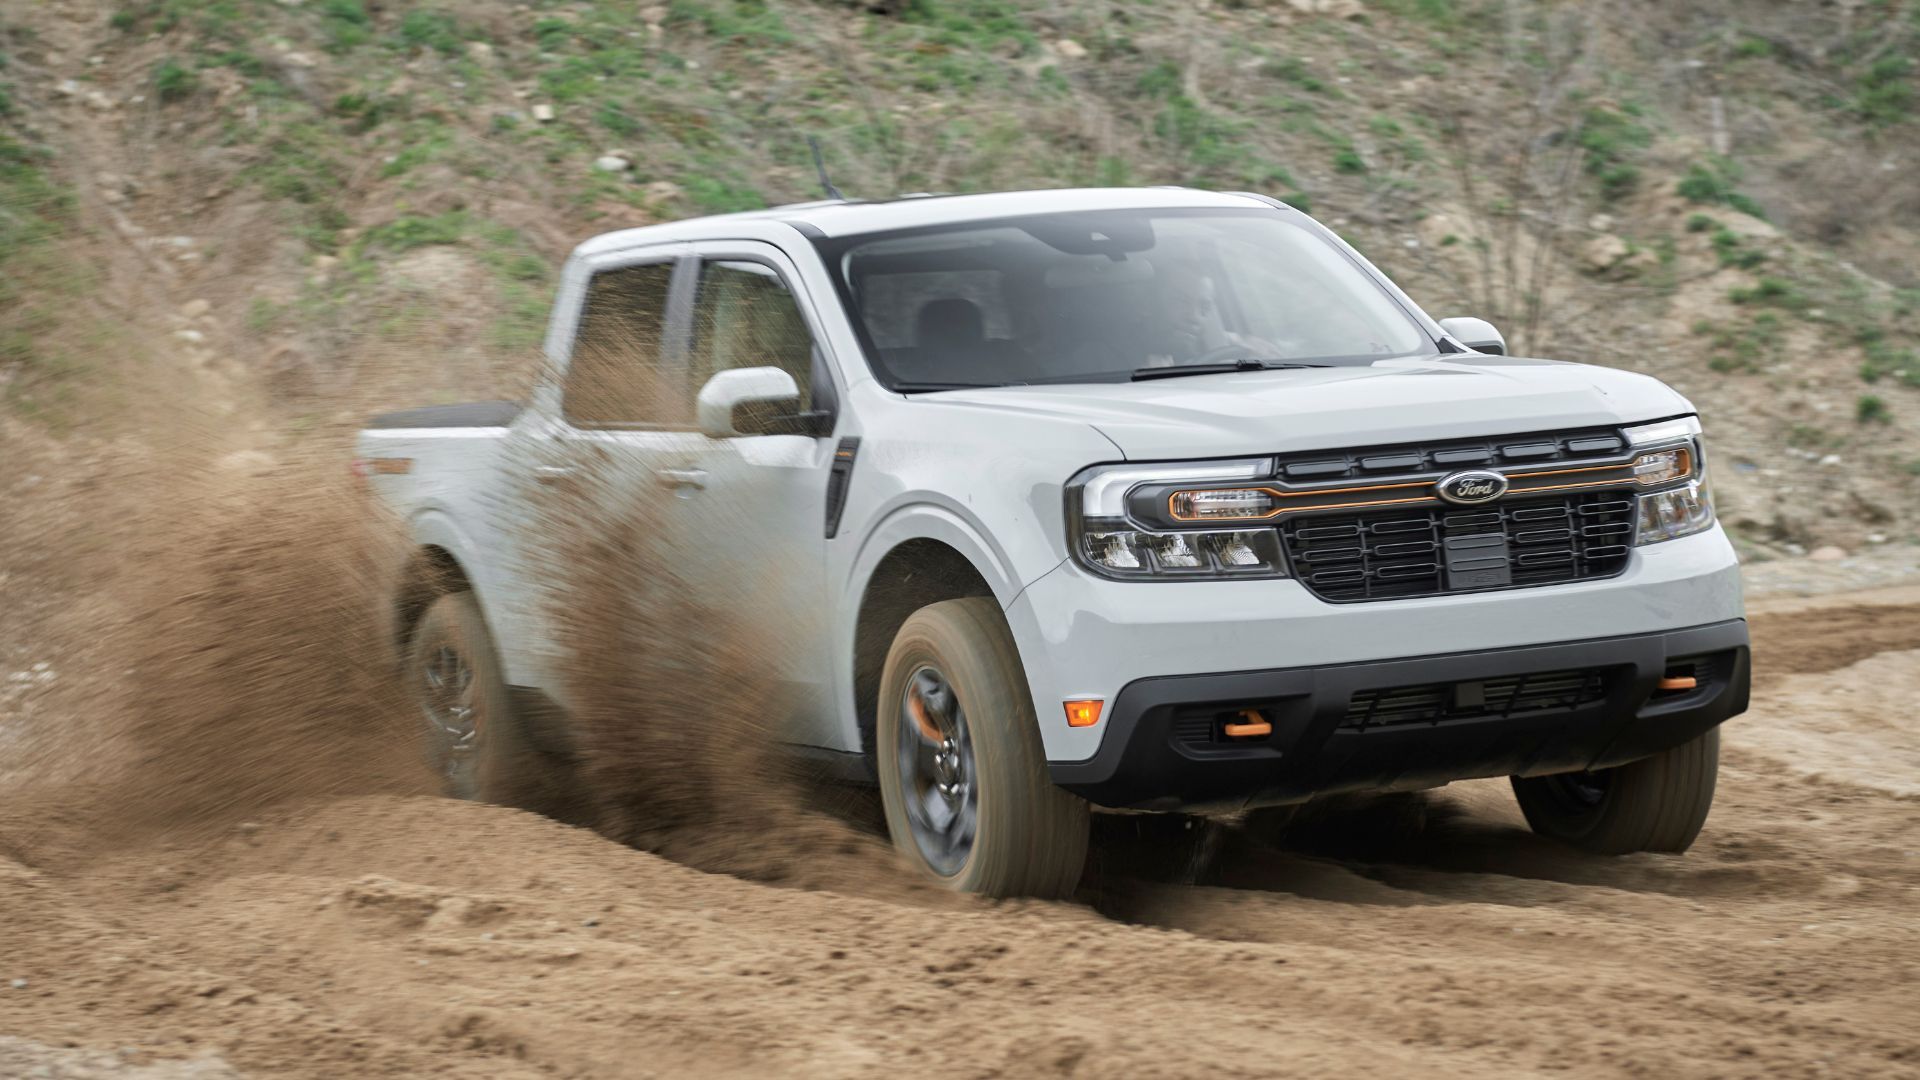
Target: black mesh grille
[
  {"x": 1508, "y": 695},
  {"x": 1393, "y": 554}
]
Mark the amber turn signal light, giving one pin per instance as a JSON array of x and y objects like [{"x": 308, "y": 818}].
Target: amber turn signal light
[{"x": 1083, "y": 713}]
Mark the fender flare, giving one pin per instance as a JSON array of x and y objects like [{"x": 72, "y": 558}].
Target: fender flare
[
  {"x": 921, "y": 519},
  {"x": 434, "y": 526}
]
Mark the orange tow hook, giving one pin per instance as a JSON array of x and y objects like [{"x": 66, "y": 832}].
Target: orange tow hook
[{"x": 1249, "y": 725}]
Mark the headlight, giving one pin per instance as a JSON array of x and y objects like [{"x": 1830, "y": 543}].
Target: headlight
[
  {"x": 1684, "y": 508},
  {"x": 1106, "y": 541},
  {"x": 1670, "y": 515},
  {"x": 1118, "y": 550},
  {"x": 1231, "y": 504},
  {"x": 1663, "y": 466}
]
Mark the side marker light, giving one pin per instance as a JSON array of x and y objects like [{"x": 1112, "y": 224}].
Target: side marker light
[{"x": 1084, "y": 713}]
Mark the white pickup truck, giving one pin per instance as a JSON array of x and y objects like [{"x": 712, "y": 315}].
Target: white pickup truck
[{"x": 1157, "y": 500}]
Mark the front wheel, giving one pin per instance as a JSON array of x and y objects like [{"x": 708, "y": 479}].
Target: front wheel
[
  {"x": 962, "y": 773},
  {"x": 1656, "y": 804}
]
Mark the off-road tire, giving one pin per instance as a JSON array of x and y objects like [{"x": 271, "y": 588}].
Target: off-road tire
[
  {"x": 1656, "y": 804},
  {"x": 1031, "y": 837},
  {"x": 503, "y": 767}
]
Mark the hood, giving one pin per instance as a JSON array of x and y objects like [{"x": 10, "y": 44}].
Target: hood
[{"x": 1412, "y": 400}]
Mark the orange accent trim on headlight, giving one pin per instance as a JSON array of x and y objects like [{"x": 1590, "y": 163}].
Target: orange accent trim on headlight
[{"x": 1683, "y": 459}]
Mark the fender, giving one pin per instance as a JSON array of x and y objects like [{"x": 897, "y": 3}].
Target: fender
[
  {"x": 434, "y": 526},
  {"x": 921, "y": 517},
  {"x": 929, "y": 516}
]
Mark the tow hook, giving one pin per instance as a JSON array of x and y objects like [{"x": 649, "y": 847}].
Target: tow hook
[{"x": 1251, "y": 725}]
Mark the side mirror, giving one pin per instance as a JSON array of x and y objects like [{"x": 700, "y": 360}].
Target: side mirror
[
  {"x": 746, "y": 401},
  {"x": 1476, "y": 334}
]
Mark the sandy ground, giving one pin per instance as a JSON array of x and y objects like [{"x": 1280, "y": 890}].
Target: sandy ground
[
  {"x": 410, "y": 935},
  {"x": 332, "y": 922}
]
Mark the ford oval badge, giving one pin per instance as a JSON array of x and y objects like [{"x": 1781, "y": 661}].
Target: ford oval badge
[{"x": 1472, "y": 486}]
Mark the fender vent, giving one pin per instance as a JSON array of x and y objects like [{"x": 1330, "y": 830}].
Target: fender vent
[{"x": 839, "y": 478}]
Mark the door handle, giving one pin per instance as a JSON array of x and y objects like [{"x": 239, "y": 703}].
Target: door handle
[
  {"x": 551, "y": 474},
  {"x": 683, "y": 478}
]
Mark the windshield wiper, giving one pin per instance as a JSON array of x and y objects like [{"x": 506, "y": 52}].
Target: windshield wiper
[
  {"x": 1245, "y": 363},
  {"x": 919, "y": 387}
]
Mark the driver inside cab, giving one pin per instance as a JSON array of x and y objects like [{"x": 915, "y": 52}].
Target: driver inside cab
[{"x": 1184, "y": 325}]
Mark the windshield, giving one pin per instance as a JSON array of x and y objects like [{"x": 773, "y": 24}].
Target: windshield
[{"x": 1099, "y": 296}]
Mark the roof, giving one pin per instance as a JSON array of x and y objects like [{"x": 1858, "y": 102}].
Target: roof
[{"x": 849, "y": 217}]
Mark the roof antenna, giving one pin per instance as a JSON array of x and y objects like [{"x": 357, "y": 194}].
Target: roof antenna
[{"x": 820, "y": 166}]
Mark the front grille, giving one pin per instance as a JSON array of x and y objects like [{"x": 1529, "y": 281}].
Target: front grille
[
  {"x": 1369, "y": 462},
  {"x": 1482, "y": 699},
  {"x": 1389, "y": 554}
]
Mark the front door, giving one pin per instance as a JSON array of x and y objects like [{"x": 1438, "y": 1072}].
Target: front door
[{"x": 757, "y": 503}]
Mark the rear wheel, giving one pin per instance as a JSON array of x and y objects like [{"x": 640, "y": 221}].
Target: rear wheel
[
  {"x": 473, "y": 740},
  {"x": 1657, "y": 804},
  {"x": 962, "y": 773}
]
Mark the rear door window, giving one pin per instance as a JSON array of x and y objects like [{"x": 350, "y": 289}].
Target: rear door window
[{"x": 618, "y": 375}]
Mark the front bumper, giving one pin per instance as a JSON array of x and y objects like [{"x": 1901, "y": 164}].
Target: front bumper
[
  {"x": 1450, "y": 717},
  {"x": 1081, "y": 636}
]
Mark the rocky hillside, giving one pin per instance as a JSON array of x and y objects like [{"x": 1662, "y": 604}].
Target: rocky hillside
[{"x": 311, "y": 202}]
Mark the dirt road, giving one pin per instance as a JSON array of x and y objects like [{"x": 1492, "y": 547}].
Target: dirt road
[{"x": 409, "y": 935}]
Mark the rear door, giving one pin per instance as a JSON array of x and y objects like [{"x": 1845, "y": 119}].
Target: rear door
[{"x": 617, "y": 423}]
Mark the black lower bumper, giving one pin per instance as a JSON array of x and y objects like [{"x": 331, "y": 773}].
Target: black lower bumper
[{"x": 1411, "y": 723}]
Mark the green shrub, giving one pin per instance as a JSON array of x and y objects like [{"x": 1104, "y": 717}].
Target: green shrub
[
  {"x": 364, "y": 112},
  {"x": 1872, "y": 410},
  {"x": 411, "y": 231},
  {"x": 1700, "y": 223},
  {"x": 1712, "y": 184},
  {"x": 1771, "y": 292},
  {"x": 716, "y": 196},
  {"x": 553, "y": 35},
  {"x": 426, "y": 29},
  {"x": 173, "y": 81},
  {"x": 1884, "y": 360},
  {"x": 346, "y": 24},
  {"x": 1727, "y": 245},
  {"x": 1349, "y": 161},
  {"x": 241, "y": 61},
  {"x": 1884, "y": 93},
  {"x": 1294, "y": 70},
  {"x": 1608, "y": 138},
  {"x": 615, "y": 119},
  {"x": 1742, "y": 347},
  {"x": 741, "y": 20}
]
